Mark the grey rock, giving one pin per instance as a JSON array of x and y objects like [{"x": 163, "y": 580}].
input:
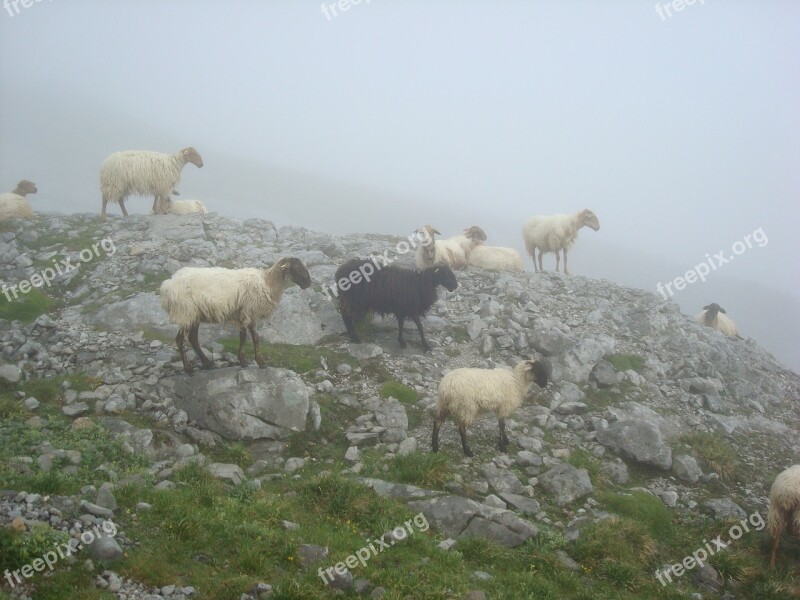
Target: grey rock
[
  {"x": 566, "y": 483},
  {"x": 603, "y": 374},
  {"x": 227, "y": 472},
  {"x": 725, "y": 508},
  {"x": 364, "y": 351},
  {"x": 243, "y": 404},
  {"x": 105, "y": 548},
  {"x": 501, "y": 480},
  {"x": 75, "y": 410},
  {"x": 639, "y": 440},
  {"x": 10, "y": 373},
  {"x": 686, "y": 468}
]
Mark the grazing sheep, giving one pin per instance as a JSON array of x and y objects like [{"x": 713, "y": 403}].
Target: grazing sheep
[
  {"x": 495, "y": 258},
  {"x": 467, "y": 393},
  {"x": 145, "y": 173},
  {"x": 784, "y": 508},
  {"x": 405, "y": 293},
  {"x": 713, "y": 315},
  {"x": 216, "y": 295},
  {"x": 551, "y": 233},
  {"x": 14, "y": 205},
  {"x": 453, "y": 252}
]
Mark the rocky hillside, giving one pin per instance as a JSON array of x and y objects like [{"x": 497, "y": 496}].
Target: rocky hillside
[{"x": 653, "y": 435}]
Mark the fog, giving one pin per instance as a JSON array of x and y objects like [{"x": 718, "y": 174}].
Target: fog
[{"x": 681, "y": 132}]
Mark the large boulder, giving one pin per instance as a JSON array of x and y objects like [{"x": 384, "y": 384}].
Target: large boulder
[
  {"x": 566, "y": 483},
  {"x": 243, "y": 404},
  {"x": 640, "y": 440},
  {"x": 302, "y": 317}
]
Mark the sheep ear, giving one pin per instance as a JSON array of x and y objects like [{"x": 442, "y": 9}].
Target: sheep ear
[
  {"x": 722, "y": 310},
  {"x": 436, "y": 231},
  {"x": 706, "y": 307}
]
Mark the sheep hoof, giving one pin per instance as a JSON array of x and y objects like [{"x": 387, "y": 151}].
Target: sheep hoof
[
  {"x": 208, "y": 366},
  {"x": 469, "y": 453}
]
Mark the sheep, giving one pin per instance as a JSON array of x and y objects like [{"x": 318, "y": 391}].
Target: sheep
[
  {"x": 426, "y": 252},
  {"x": 215, "y": 295},
  {"x": 713, "y": 316},
  {"x": 784, "y": 508},
  {"x": 453, "y": 252},
  {"x": 405, "y": 293},
  {"x": 551, "y": 233},
  {"x": 495, "y": 258},
  {"x": 143, "y": 172},
  {"x": 467, "y": 393},
  {"x": 14, "y": 205},
  {"x": 186, "y": 207}
]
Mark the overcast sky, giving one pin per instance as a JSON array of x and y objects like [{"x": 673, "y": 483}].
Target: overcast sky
[{"x": 682, "y": 133}]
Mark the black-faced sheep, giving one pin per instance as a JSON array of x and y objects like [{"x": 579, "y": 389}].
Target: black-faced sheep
[
  {"x": 216, "y": 295},
  {"x": 467, "y": 393},
  {"x": 407, "y": 294},
  {"x": 714, "y": 316},
  {"x": 784, "y": 508},
  {"x": 552, "y": 233},
  {"x": 14, "y": 205},
  {"x": 143, "y": 172}
]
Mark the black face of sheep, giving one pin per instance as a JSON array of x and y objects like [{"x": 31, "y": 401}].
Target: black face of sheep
[
  {"x": 296, "y": 271},
  {"x": 363, "y": 286},
  {"x": 540, "y": 371},
  {"x": 475, "y": 233}
]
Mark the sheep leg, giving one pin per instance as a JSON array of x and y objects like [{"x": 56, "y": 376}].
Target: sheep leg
[
  {"x": 400, "y": 339},
  {"x": 155, "y": 205},
  {"x": 558, "y": 259},
  {"x": 462, "y": 431},
  {"x": 541, "y": 268},
  {"x": 503, "y": 437},
  {"x": 254, "y": 336},
  {"x": 351, "y": 328},
  {"x": 437, "y": 424},
  {"x": 775, "y": 543},
  {"x": 533, "y": 256},
  {"x": 180, "y": 341},
  {"x": 566, "y": 270},
  {"x": 422, "y": 334},
  {"x": 193, "y": 331},
  {"x": 103, "y": 210},
  {"x": 122, "y": 206},
  {"x": 242, "y": 340}
]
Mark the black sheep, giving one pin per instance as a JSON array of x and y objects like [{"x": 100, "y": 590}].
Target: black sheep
[{"x": 405, "y": 293}]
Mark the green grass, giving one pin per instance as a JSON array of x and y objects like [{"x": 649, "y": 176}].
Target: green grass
[
  {"x": 624, "y": 362},
  {"x": 298, "y": 358},
  {"x": 329, "y": 441},
  {"x": 424, "y": 469},
  {"x": 714, "y": 452},
  {"x": 397, "y": 390},
  {"x": 26, "y": 307},
  {"x": 581, "y": 459}
]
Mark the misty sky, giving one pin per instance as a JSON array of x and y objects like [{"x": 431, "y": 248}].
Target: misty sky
[{"x": 682, "y": 133}]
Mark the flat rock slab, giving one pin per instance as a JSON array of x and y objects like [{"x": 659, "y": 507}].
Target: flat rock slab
[
  {"x": 243, "y": 404},
  {"x": 639, "y": 440}
]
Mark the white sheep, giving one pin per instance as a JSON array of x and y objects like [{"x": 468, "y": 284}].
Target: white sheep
[
  {"x": 467, "y": 393},
  {"x": 784, "y": 508},
  {"x": 713, "y": 315},
  {"x": 495, "y": 258},
  {"x": 453, "y": 251},
  {"x": 426, "y": 251},
  {"x": 552, "y": 233},
  {"x": 196, "y": 295},
  {"x": 143, "y": 172},
  {"x": 186, "y": 207},
  {"x": 14, "y": 205}
]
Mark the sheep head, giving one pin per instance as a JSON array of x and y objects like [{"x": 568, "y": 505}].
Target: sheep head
[
  {"x": 190, "y": 155},
  {"x": 538, "y": 369},
  {"x": 25, "y": 187},
  {"x": 427, "y": 232},
  {"x": 443, "y": 275},
  {"x": 294, "y": 270},
  {"x": 589, "y": 219},
  {"x": 712, "y": 310},
  {"x": 475, "y": 233}
]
